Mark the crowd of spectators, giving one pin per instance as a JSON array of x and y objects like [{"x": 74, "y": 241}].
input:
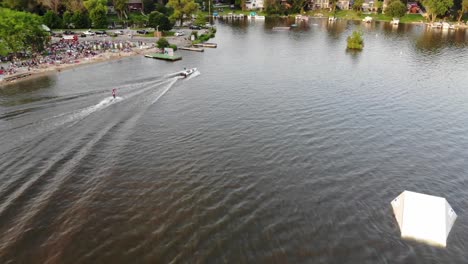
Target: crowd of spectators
[{"x": 65, "y": 52}]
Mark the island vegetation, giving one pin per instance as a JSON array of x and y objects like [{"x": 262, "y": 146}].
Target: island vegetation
[{"x": 355, "y": 41}]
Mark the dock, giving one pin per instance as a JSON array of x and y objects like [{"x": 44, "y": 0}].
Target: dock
[
  {"x": 192, "y": 49},
  {"x": 162, "y": 56},
  {"x": 206, "y": 45}
]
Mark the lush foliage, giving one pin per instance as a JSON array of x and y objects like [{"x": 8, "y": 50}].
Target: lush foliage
[
  {"x": 97, "y": 12},
  {"x": 148, "y": 6},
  {"x": 99, "y": 17},
  {"x": 21, "y": 32},
  {"x": 358, "y": 4},
  {"x": 52, "y": 20},
  {"x": 355, "y": 41},
  {"x": 162, "y": 43},
  {"x": 396, "y": 9},
  {"x": 80, "y": 20},
  {"x": 437, "y": 7},
  {"x": 463, "y": 10},
  {"x": 121, "y": 8},
  {"x": 159, "y": 21},
  {"x": 204, "y": 37},
  {"x": 182, "y": 8}
]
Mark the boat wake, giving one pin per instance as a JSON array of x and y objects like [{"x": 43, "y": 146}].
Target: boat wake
[{"x": 135, "y": 98}]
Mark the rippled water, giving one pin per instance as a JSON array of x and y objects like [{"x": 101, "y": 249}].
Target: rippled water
[{"x": 284, "y": 149}]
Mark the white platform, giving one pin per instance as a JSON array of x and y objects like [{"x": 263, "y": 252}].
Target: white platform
[{"x": 423, "y": 217}]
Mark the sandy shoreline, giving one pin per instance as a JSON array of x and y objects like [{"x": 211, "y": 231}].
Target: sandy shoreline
[
  {"x": 50, "y": 69},
  {"x": 47, "y": 69}
]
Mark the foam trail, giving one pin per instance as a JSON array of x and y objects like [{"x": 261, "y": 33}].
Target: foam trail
[
  {"x": 193, "y": 75},
  {"x": 165, "y": 90}
]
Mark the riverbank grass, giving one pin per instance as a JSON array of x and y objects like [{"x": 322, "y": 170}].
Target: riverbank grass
[{"x": 356, "y": 15}]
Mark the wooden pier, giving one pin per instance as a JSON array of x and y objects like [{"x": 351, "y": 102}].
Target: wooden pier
[
  {"x": 192, "y": 49},
  {"x": 162, "y": 56},
  {"x": 206, "y": 45}
]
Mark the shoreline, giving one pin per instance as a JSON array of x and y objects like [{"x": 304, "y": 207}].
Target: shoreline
[
  {"x": 51, "y": 69},
  {"x": 102, "y": 57}
]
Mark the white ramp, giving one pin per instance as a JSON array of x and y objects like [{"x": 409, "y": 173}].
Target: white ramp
[{"x": 424, "y": 217}]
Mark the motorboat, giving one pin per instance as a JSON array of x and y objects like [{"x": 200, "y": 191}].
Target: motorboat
[
  {"x": 395, "y": 21},
  {"x": 367, "y": 19},
  {"x": 188, "y": 72}
]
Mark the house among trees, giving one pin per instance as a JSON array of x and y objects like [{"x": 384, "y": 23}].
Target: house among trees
[
  {"x": 135, "y": 5},
  {"x": 254, "y": 4},
  {"x": 369, "y": 6},
  {"x": 343, "y": 4},
  {"x": 319, "y": 4}
]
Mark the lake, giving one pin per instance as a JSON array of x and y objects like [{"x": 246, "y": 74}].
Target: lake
[{"x": 282, "y": 148}]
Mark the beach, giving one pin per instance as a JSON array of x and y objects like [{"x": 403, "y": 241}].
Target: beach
[{"x": 99, "y": 49}]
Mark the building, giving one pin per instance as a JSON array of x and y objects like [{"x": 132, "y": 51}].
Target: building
[
  {"x": 254, "y": 4},
  {"x": 135, "y": 5},
  {"x": 369, "y": 6},
  {"x": 319, "y": 4},
  {"x": 343, "y": 4}
]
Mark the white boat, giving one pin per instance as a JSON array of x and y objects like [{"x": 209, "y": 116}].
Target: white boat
[
  {"x": 367, "y": 19},
  {"x": 395, "y": 21},
  {"x": 281, "y": 28},
  {"x": 188, "y": 72},
  {"x": 435, "y": 25},
  {"x": 446, "y": 26},
  {"x": 259, "y": 17}
]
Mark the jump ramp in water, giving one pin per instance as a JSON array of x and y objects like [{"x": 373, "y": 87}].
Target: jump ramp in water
[{"x": 423, "y": 217}]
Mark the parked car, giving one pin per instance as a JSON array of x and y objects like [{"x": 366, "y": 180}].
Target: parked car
[
  {"x": 100, "y": 32},
  {"x": 89, "y": 33},
  {"x": 179, "y": 33},
  {"x": 142, "y": 31},
  {"x": 195, "y": 27},
  {"x": 68, "y": 32},
  {"x": 119, "y": 32}
]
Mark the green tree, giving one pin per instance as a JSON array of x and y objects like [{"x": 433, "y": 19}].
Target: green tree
[
  {"x": 162, "y": 43},
  {"x": 52, "y": 20},
  {"x": 358, "y": 4},
  {"x": 92, "y": 4},
  {"x": 98, "y": 16},
  {"x": 159, "y": 21},
  {"x": 80, "y": 20},
  {"x": 182, "y": 9},
  {"x": 168, "y": 11},
  {"x": 97, "y": 12},
  {"x": 67, "y": 19},
  {"x": 355, "y": 41},
  {"x": 436, "y": 8},
  {"x": 396, "y": 9},
  {"x": 148, "y": 6},
  {"x": 74, "y": 5},
  {"x": 463, "y": 10},
  {"x": 121, "y": 8},
  {"x": 17, "y": 4},
  {"x": 51, "y": 4},
  {"x": 20, "y": 31}
]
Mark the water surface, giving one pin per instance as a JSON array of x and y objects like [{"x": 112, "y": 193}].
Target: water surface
[{"x": 285, "y": 148}]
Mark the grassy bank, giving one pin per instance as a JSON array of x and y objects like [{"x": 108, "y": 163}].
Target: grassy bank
[
  {"x": 343, "y": 14},
  {"x": 353, "y": 15}
]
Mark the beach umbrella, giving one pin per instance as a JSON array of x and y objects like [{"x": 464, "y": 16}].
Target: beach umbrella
[{"x": 423, "y": 217}]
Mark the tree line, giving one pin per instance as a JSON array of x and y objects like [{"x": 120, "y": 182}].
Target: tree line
[
  {"x": 21, "y": 21},
  {"x": 94, "y": 13}
]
